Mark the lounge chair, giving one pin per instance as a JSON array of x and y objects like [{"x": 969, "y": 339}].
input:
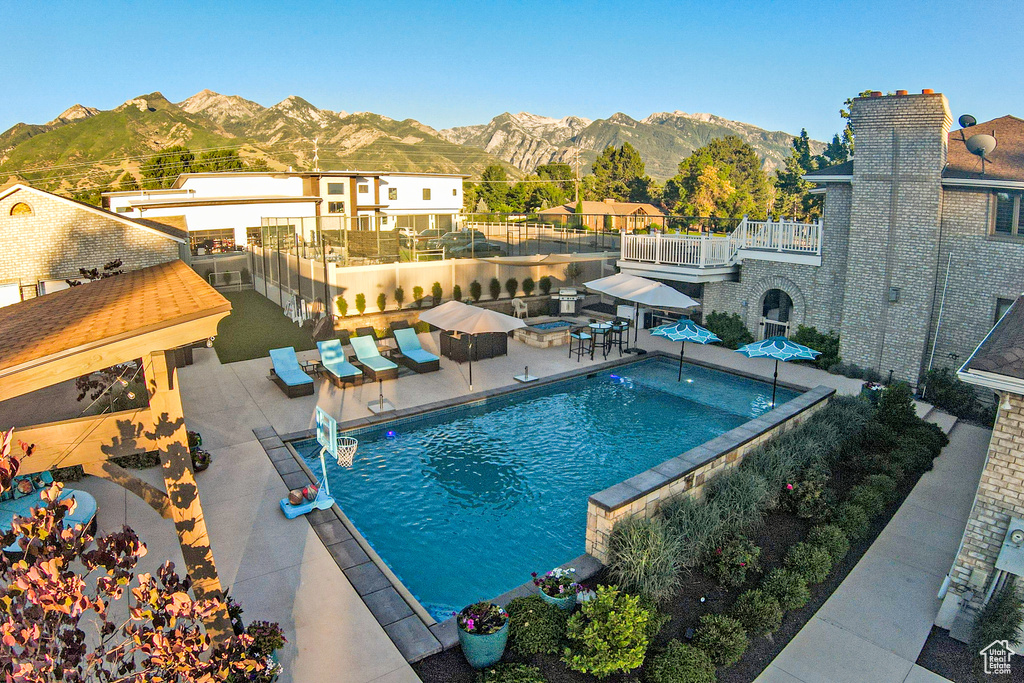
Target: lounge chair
[
  {"x": 13, "y": 504},
  {"x": 337, "y": 367},
  {"x": 412, "y": 354},
  {"x": 288, "y": 374},
  {"x": 400, "y": 325},
  {"x": 366, "y": 332},
  {"x": 374, "y": 365}
]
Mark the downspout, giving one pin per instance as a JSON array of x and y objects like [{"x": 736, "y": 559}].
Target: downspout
[{"x": 938, "y": 322}]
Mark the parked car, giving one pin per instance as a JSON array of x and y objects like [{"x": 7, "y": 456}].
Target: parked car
[
  {"x": 456, "y": 238},
  {"x": 478, "y": 249},
  {"x": 422, "y": 238}
]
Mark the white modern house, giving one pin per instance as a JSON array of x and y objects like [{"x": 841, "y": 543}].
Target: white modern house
[{"x": 225, "y": 210}]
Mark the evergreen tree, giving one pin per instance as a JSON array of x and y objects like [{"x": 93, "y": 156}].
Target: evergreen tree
[
  {"x": 494, "y": 188},
  {"x": 737, "y": 186},
  {"x": 619, "y": 174},
  {"x": 794, "y": 196}
]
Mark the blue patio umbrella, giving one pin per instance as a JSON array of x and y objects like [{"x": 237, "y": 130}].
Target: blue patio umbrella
[
  {"x": 684, "y": 330},
  {"x": 778, "y": 348}
]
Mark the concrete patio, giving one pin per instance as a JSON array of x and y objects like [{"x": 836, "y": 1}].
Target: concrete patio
[{"x": 280, "y": 570}]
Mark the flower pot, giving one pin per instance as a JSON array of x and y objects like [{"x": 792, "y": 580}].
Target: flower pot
[
  {"x": 566, "y": 602},
  {"x": 484, "y": 650}
]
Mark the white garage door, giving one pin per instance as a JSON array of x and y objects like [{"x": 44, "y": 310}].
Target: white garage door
[{"x": 10, "y": 294}]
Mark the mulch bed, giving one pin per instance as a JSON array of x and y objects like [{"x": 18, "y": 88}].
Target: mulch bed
[
  {"x": 956, "y": 661},
  {"x": 779, "y": 531}
]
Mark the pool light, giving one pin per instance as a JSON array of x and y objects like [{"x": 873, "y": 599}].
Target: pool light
[{"x": 391, "y": 434}]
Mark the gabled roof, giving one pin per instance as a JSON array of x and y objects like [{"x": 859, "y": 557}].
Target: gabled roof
[
  {"x": 104, "y": 311},
  {"x": 150, "y": 226},
  {"x": 1005, "y": 163},
  {"x": 605, "y": 208},
  {"x": 999, "y": 360},
  {"x": 836, "y": 170},
  {"x": 172, "y": 225}
]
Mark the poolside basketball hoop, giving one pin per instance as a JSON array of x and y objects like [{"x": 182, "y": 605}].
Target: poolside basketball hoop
[{"x": 347, "y": 446}]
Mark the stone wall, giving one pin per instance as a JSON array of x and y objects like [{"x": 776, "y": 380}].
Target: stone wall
[
  {"x": 894, "y": 231},
  {"x": 688, "y": 473},
  {"x": 1000, "y": 496},
  {"x": 59, "y": 238}
]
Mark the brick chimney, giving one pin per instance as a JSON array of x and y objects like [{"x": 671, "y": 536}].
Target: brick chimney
[{"x": 900, "y": 151}]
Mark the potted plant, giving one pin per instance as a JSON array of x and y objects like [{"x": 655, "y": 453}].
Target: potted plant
[
  {"x": 483, "y": 633},
  {"x": 200, "y": 459},
  {"x": 558, "y": 587},
  {"x": 267, "y": 639},
  {"x": 872, "y": 390},
  {"x": 195, "y": 440}
]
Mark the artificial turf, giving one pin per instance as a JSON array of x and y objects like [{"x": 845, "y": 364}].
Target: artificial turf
[{"x": 255, "y": 326}]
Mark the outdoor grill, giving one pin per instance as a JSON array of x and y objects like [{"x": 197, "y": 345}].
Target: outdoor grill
[{"x": 570, "y": 302}]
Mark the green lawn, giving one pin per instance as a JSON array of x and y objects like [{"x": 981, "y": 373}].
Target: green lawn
[{"x": 255, "y": 326}]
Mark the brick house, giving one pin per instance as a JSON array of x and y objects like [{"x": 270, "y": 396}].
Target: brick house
[
  {"x": 982, "y": 562},
  {"x": 46, "y": 238}
]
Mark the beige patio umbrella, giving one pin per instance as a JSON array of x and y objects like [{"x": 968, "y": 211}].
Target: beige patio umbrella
[
  {"x": 442, "y": 316},
  {"x": 479, "y": 320}
]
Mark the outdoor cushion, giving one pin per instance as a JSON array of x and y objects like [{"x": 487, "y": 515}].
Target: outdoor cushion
[
  {"x": 83, "y": 513},
  {"x": 332, "y": 357},
  {"x": 368, "y": 355},
  {"x": 409, "y": 345},
  {"x": 287, "y": 368}
]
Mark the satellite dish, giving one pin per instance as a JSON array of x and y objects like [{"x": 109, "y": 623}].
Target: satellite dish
[
  {"x": 981, "y": 145},
  {"x": 966, "y": 121}
]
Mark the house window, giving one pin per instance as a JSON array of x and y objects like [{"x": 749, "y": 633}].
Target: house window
[
  {"x": 1002, "y": 305},
  {"x": 254, "y": 237},
  {"x": 455, "y": 192},
  {"x": 426, "y": 194},
  {"x": 1008, "y": 211},
  {"x": 335, "y": 207},
  {"x": 21, "y": 209},
  {"x": 212, "y": 241},
  {"x": 335, "y": 188},
  {"x": 392, "y": 193},
  {"x": 363, "y": 189}
]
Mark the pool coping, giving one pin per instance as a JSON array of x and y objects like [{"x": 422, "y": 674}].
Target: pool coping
[{"x": 410, "y": 626}]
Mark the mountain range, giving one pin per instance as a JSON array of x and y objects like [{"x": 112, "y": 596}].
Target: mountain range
[{"x": 86, "y": 148}]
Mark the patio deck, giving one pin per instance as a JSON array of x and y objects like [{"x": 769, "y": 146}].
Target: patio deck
[{"x": 280, "y": 570}]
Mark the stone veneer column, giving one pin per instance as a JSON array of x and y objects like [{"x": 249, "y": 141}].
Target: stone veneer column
[{"x": 894, "y": 230}]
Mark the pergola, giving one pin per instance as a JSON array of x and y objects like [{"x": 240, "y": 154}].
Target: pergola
[{"x": 141, "y": 314}]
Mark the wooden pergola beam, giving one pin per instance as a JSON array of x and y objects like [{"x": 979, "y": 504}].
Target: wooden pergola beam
[{"x": 87, "y": 440}]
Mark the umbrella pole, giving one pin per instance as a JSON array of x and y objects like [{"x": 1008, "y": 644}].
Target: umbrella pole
[
  {"x": 469, "y": 346},
  {"x": 682, "y": 351},
  {"x": 775, "y": 381}
]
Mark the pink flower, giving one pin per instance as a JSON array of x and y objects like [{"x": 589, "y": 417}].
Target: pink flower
[
  {"x": 789, "y": 487},
  {"x": 743, "y": 564}
]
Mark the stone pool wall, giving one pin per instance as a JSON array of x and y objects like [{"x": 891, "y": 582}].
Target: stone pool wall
[{"x": 688, "y": 473}]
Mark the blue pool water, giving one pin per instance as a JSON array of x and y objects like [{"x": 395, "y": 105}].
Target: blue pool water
[
  {"x": 553, "y": 325},
  {"x": 463, "y": 504}
]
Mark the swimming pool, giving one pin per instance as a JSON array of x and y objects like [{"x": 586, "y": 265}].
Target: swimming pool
[
  {"x": 553, "y": 325},
  {"x": 462, "y": 504}
]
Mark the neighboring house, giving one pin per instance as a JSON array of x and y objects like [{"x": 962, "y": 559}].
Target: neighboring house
[
  {"x": 911, "y": 207},
  {"x": 47, "y": 238},
  {"x": 986, "y": 552},
  {"x": 225, "y": 211},
  {"x": 607, "y": 215}
]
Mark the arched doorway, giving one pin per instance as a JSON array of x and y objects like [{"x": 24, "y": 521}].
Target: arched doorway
[{"x": 776, "y": 308}]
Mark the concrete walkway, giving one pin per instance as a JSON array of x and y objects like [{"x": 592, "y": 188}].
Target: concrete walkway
[{"x": 874, "y": 626}]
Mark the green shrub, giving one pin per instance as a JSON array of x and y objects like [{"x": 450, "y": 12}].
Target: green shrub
[
  {"x": 457, "y": 293},
  {"x": 342, "y": 305},
  {"x": 743, "y": 496},
  {"x": 608, "y": 634},
  {"x": 680, "y": 663},
  {"x": 506, "y": 672},
  {"x": 435, "y": 293},
  {"x": 382, "y": 301},
  {"x": 999, "y": 619},
  {"x": 246, "y": 276},
  {"x": 421, "y": 327},
  {"x": 545, "y": 285},
  {"x": 929, "y": 435},
  {"x": 759, "y": 612},
  {"x": 535, "y": 627},
  {"x": 826, "y": 343},
  {"x": 896, "y": 407},
  {"x": 399, "y": 297},
  {"x": 884, "y": 484},
  {"x": 698, "y": 526},
  {"x": 476, "y": 290},
  {"x": 722, "y": 638},
  {"x": 832, "y": 539},
  {"x": 729, "y": 563},
  {"x": 494, "y": 287},
  {"x": 852, "y": 520},
  {"x": 417, "y": 296},
  {"x": 788, "y": 587},
  {"x": 775, "y": 464},
  {"x": 644, "y": 557},
  {"x": 361, "y": 303},
  {"x": 139, "y": 461},
  {"x": 65, "y": 474},
  {"x": 808, "y": 496},
  {"x": 657, "y": 619},
  {"x": 511, "y": 286},
  {"x": 528, "y": 286},
  {"x": 810, "y": 561},
  {"x": 869, "y": 499},
  {"x": 729, "y": 328},
  {"x": 911, "y": 456},
  {"x": 945, "y": 391}
]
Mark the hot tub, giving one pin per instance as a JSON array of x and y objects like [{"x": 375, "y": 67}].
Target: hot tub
[{"x": 545, "y": 332}]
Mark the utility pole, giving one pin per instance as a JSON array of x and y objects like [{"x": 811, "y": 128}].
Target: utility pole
[
  {"x": 316, "y": 153},
  {"x": 576, "y": 165}
]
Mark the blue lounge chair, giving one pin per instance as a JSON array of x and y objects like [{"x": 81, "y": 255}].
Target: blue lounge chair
[
  {"x": 412, "y": 354},
  {"x": 13, "y": 504},
  {"x": 288, "y": 374},
  {"x": 374, "y": 365},
  {"x": 340, "y": 371}
]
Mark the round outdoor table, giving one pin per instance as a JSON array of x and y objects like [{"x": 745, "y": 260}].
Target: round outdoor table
[{"x": 600, "y": 330}]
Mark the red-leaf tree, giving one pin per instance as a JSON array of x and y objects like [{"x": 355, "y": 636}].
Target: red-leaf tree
[{"x": 73, "y": 609}]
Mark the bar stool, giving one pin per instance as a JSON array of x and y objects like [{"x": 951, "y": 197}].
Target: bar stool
[
  {"x": 584, "y": 343},
  {"x": 618, "y": 336}
]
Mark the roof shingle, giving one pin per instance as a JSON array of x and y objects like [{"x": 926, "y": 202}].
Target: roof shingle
[{"x": 1002, "y": 351}]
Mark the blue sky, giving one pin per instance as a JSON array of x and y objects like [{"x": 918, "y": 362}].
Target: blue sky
[{"x": 779, "y": 65}]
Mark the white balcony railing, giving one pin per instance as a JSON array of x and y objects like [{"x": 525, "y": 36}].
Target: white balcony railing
[{"x": 717, "y": 251}]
